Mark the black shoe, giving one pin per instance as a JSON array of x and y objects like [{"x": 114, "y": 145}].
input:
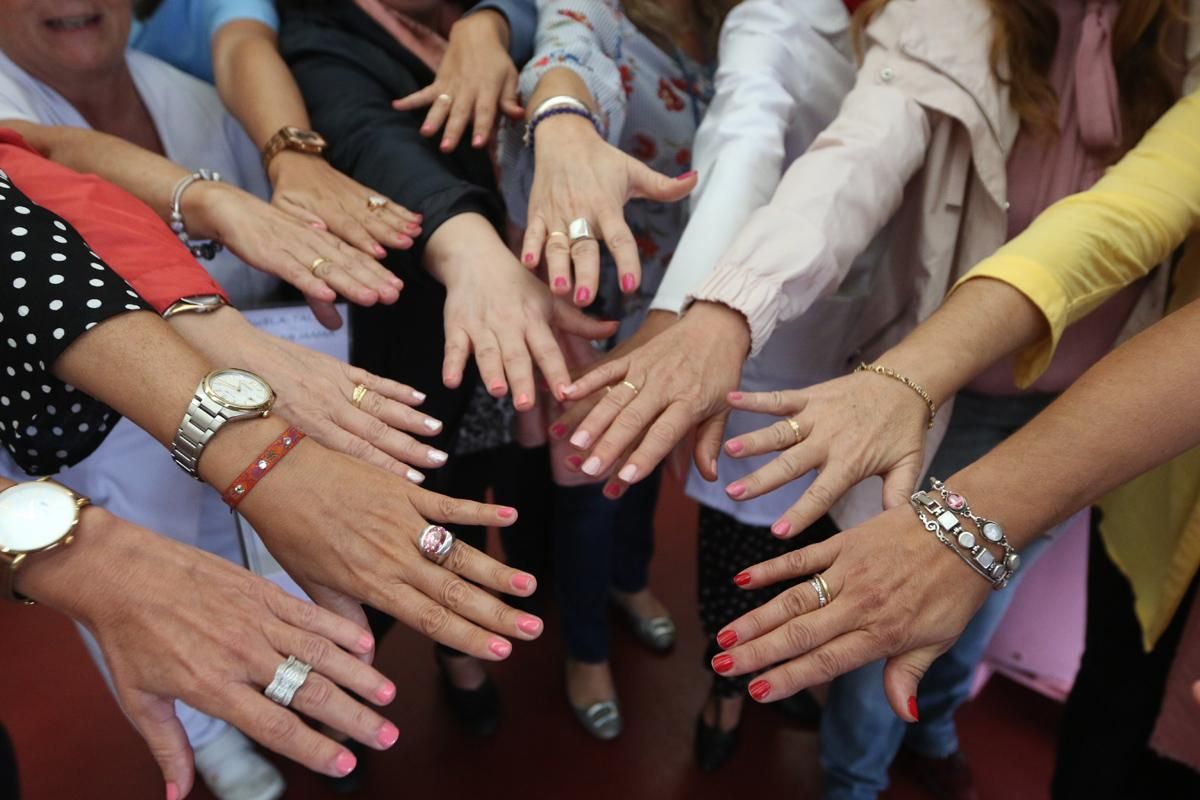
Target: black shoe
[
  {"x": 477, "y": 710},
  {"x": 349, "y": 784},
  {"x": 714, "y": 746},
  {"x": 801, "y": 710}
]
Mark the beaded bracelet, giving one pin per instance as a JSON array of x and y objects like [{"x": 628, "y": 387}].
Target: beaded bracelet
[
  {"x": 879, "y": 369},
  {"x": 542, "y": 116},
  {"x": 261, "y": 465},
  {"x": 943, "y": 516},
  {"x": 204, "y": 250}
]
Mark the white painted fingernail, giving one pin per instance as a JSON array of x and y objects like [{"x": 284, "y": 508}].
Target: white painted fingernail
[
  {"x": 433, "y": 424},
  {"x": 569, "y": 390},
  {"x": 591, "y": 466},
  {"x": 437, "y": 456},
  {"x": 418, "y": 396},
  {"x": 628, "y": 473},
  {"x": 580, "y": 439},
  {"x": 414, "y": 476}
]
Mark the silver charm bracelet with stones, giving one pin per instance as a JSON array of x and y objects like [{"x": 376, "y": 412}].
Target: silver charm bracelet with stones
[{"x": 943, "y": 515}]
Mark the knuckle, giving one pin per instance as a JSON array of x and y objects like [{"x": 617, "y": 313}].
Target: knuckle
[
  {"x": 454, "y": 593},
  {"x": 358, "y": 448},
  {"x": 797, "y": 563},
  {"x": 783, "y": 435},
  {"x": 457, "y": 560},
  {"x": 631, "y": 419},
  {"x": 280, "y": 727},
  {"x": 664, "y": 433},
  {"x": 448, "y": 507},
  {"x": 376, "y": 429},
  {"x": 793, "y": 601},
  {"x": 433, "y": 620},
  {"x": 798, "y": 636},
  {"x": 318, "y": 691},
  {"x": 829, "y": 664},
  {"x": 314, "y": 650},
  {"x": 821, "y": 494}
]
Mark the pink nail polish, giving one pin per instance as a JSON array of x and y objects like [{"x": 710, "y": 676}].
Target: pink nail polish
[
  {"x": 498, "y": 389},
  {"x": 735, "y": 397},
  {"x": 387, "y": 735},
  {"x": 580, "y": 439},
  {"x": 403, "y": 241},
  {"x": 379, "y": 251},
  {"x": 781, "y": 528},
  {"x": 366, "y": 644},
  {"x": 733, "y": 447},
  {"x": 558, "y": 430},
  {"x": 387, "y": 694},
  {"x": 685, "y": 175},
  {"x": 583, "y": 295},
  {"x": 477, "y": 141},
  {"x": 505, "y": 512},
  {"x": 735, "y": 490},
  {"x": 528, "y": 258},
  {"x": 560, "y": 282},
  {"x": 418, "y": 217},
  {"x": 172, "y": 792},
  {"x": 445, "y": 144},
  {"x": 627, "y": 281},
  {"x": 522, "y": 401},
  {"x": 500, "y": 648},
  {"x": 412, "y": 228},
  {"x": 345, "y": 763},
  {"x": 591, "y": 466},
  {"x": 522, "y": 582},
  {"x": 529, "y": 625}
]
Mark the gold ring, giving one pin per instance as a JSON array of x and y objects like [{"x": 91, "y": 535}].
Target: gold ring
[
  {"x": 375, "y": 202},
  {"x": 822, "y": 590},
  {"x": 315, "y": 265},
  {"x": 360, "y": 391},
  {"x": 631, "y": 385},
  {"x": 445, "y": 98},
  {"x": 796, "y": 429},
  {"x": 556, "y": 233}
]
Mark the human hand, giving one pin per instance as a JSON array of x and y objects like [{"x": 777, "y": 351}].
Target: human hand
[
  {"x": 849, "y": 428},
  {"x": 501, "y": 312},
  {"x": 577, "y": 175},
  {"x": 682, "y": 377},
  {"x": 283, "y": 245},
  {"x": 175, "y": 622},
  {"x": 895, "y": 593},
  {"x": 475, "y": 78}
]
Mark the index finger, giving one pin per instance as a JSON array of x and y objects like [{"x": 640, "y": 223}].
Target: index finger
[
  {"x": 605, "y": 374},
  {"x": 630, "y": 424},
  {"x": 418, "y": 99},
  {"x": 666, "y": 432}
]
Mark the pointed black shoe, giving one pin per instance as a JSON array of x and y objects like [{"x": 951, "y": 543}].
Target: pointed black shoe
[{"x": 713, "y": 746}]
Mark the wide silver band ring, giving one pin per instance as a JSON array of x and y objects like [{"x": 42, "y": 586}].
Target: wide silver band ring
[
  {"x": 289, "y": 677},
  {"x": 435, "y": 543},
  {"x": 822, "y": 590},
  {"x": 579, "y": 231}
]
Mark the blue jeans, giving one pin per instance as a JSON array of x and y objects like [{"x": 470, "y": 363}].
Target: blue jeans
[{"x": 860, "y": 734}]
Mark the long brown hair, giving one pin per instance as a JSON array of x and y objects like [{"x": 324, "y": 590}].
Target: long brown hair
[
  {"x": 661, "y": 26},
  {"x": 1026, "y": 35}
]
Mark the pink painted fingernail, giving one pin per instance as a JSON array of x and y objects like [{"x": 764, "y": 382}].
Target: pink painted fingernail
[
  {"x": 580, "y": 439},
  {"x": 412, "y": 228},
  {"x": 477, "y": 141},
  {"x": 627, "y": 281},
  {"x": 528, "y": 258},
  {"x": 345, "y": 763},
  {"x": 379, "y": 251},
  {"x": 418, "y": 396},
  {"x": 498, "y": 389},
  {"x": 172, "y": 792},
  {"x": 523, "y": 583},
  {"x": 403, "y": 241},
  {"x": 735, "y": 396},
  {"x": 366, "y": 643},
  {"x": 628, "y": 473},
  {"x": 558, "y": 430},
  {"x": 560, "y": 282},
  {"x": 445, "y": 144},
  {"x": 612, "y": 490},
  {"x": 733, "y": 447},
  {"x": 500, "y": 648},
  {"x": 418, "y": 217},
  {"x": 583, "y": 295},
  {"x": 388, "y": 734},
  {"x": 387, "y": 693},
  {"x": 685, "y": 175},
  {"x": 591, "y": 466},
  {"x": 781, "y": 528},
  {"x": 529, "y": 625},
  {"x": 522, "y": 401},
  {"x": 575, "y": 461},
  {"x": 506, "y": 512},
  {"x": 735, "y": 489},
  {"x": 760, "y": 689}
]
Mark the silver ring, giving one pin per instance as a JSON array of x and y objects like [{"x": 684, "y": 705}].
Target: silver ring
[
  {"x": 821, "y": 588},
  {"x": 289, "y": 677},
  {"x": 579, "y": 231},
  {"x": 435, "y": 543}
]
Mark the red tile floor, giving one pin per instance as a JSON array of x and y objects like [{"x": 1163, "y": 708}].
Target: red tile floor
[{"x": 73, "y": 744}]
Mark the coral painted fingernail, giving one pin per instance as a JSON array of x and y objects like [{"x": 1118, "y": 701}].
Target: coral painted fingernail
[
  {"x": 388, "y": 734},
  {"x": 628, "y": 473},
  {"x": 583, "y": 295},
  {"x": 345, "y": 763},
  {"x": 558, "y": 430},
  {"x": 387, "y": 693},
  {"x": 412, "y": 228},
  {"x": 500, "y": 648},
  {"x": 612, "y": 491},
  {"x": 172, "y": 792},
  {"x": 723, "y": 663},
  {"x": 760, "y": 689},
  {"x": 912, "y": 708},
  {"x": 627, "y": 281},
  {"x": 506, "y": 512},
  {"x": 735, "y": 397},
  {"x": 560, "y": 283},
  {"x": 580, "y": 439},
  {"x": 685, "y": 175},
  {"x": 529, "y": 625},
  {"x": 735, "y": 490},
  {"x": 781, "y": 528},
  {"x": 575, "y": 461},
  {"x": 522, "y": 582},
  {"x": 522, "y": 400},
  {"x": 591, "y": 466},
  {"x": 366, "y": 643},
  {"x": 727, "y": 639},
  {"x": 733, "y": 447},
  {"x": 742, "y": 578},
  {"x": 528, "y": 258}
]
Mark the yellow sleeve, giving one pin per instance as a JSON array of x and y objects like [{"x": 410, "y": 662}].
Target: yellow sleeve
[{"x": 1087, "y": 247}]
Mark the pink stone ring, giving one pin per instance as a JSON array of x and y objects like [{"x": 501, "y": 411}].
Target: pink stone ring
[{"x": 435, "y": 543}]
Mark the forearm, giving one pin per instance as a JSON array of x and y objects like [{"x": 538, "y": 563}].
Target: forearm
[{"x": 254, "y": 82}]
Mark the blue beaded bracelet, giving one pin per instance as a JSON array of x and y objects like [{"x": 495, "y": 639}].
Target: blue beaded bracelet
[{"x": 533, "y": 123}]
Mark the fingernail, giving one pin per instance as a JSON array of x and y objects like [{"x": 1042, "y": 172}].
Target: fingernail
[
  {"x": 414, "y": 476},
  {"x": 591, "y": 466},
  {"x": 583, "y": 295},
  {"x": 781, "y": 528},
  {"x": 528, "y": 258},
  {"x": 379, "y": 251},
  {"x": 345, "y": 763},
  {"x": 498, "y": 389},
  {"x": 575, "y": 461},
  {"x": 733, "y": 447},
  {"x": 529, "y": 625},
  {"x": 366, "y": 643},
  {"x": 387, "y": 735},
  {"x": 477, "y": 141},
  {"x": 912, "y": 708},
  {"x": 437, "y": 456},
  {"x": 560, "y": 283},
  {"x": 627, "y": 281},
  {"x": 522, "y": 401},
  {"x": 387, "y": 694},
  {"x": 403, "y": 242},
  {"x": 760, "y": 689},
  {"x": 685, "y": 175},
  {"x": 735, "y": 490},
  {"x": 506, "y": 512},
  {"x": 412, "y": 228},
  {"x": 612, "y": 490},
  {"x": 735, "y": 396},
  {"x": 418, "y": 396},
  {"x": 722, "y": 663},
  {"x": 522, "y": 582},
  {"x": 172, "y": 792},
  {"x": 500, "y": 648},
  {"x": 569, "y": 390},
  {"x": 445, "y": 144},
  {"x": 432, "y": 424},
  {"x": 726, "y": 639},
  {"x": 580, "y": 439},
  {"x": 418, "y": 217},
  {"x": 558, "y": 430},
  {"x": 742, "y": 578},
  {"x": 628, "y": 473}
]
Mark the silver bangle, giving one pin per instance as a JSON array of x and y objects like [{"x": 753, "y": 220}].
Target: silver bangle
[
  {"x": 559, "y": 104},
  {"x": 205, "y": 250},
  {"x": 943, "y": 512}
]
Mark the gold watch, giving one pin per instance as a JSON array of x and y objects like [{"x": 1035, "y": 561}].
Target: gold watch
[
  {"x": 35, "y": 517},
  {"x": 291, "y": 138}
]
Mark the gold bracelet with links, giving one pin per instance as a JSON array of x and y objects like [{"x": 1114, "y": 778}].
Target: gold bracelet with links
[{"x": 879, "y": 369}]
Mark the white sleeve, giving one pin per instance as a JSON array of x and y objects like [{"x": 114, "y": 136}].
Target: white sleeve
[{"x": 782, "y": 72}]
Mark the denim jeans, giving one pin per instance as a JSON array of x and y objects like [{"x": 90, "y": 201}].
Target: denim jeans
[
  {"x": 860, "y": 734},
  {"x": 600, "y": 545}
]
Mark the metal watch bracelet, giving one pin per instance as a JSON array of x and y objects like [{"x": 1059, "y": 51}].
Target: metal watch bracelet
[{"x": 943, "y": 513}]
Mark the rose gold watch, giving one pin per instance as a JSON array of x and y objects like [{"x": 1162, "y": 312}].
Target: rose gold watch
[{"x": 291, "y": 138}]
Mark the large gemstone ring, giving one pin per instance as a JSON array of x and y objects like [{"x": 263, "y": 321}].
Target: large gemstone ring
[{"x": 435, "y": 543}]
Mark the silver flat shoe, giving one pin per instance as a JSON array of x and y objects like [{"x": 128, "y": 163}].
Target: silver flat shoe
[
  {"x": 656, "y": 633},
  {"x": 602, "y": 720}
]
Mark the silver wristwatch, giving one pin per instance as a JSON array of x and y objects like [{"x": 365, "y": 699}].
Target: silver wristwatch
[
  {"x": 225, "y": 395},
  {"x": 196, "y": 304}
]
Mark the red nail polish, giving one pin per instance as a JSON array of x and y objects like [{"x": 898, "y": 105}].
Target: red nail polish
[
  {"x": 723, "y": 663},
  {"x": 727, "y": 639},
  {"x": 505, "y": 512},
  {"x": 387, "y": 735},
  {"x": 612, "y": 491},
  {"x": 558, "y": 430},
  {"x": 760, "y": 689},
  {"x": 560, "y": 283},
  {"x": 522, "y": 582},
  {"x": 781, "y": 528},
  {"x": 627, "y": 282},
  {"x": 583, "y": 295},
  {"x": 912, "y": 708},
  {"x": 735, "y": 490},
  {"x": 575, "y": 461},
  {"x": 742, "y": 579},
  {"x": 528, "y": 258},
  {"x": 500, "y": 648},
  {"x": 734, "y": 447},
  {"x": 685, "y": 175}
]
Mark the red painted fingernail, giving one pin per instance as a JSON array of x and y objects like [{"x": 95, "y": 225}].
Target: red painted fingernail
[
  {"x": 742, "y": 579},
  {"x": 723, "y": 663},
  {"x": 583, "y": 295},
  {"x": 727, "y": 639},
  {"x": 735, "y": 490},
  {"x": 529, "y": 625},
  {"x": 781, "y": 528},
  {"x": 345, "y": 763},
  {"x": 388, "y": 734},
  {"x": 575, "y": 461},
  {"x": 760, "y": 689},
  {"x": 733, "y": 447},
  {"x": 558, "y": 430},
  {"x": 627, "y": 281},
  {"x": 612, "y": 490},
  {"x": 528, "y": 258},
  {"x": 387, "y": 694},
  {"x": 522, "y": 582},
  {"x": 172, "y": 792},
  {"x": 912, "y": 708},
  {"x": 685, "y": 175},
  {"x": 506, "y": 512},
  {"x": 500, "y": 648},
  {"x": 560, "y": 283}
]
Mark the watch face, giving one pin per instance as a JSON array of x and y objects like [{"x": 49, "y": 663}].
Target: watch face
[
  {"x": 239, "y": 389},
  {"x": 305, "y": 138},
  {"x": 35, "y": 515}
]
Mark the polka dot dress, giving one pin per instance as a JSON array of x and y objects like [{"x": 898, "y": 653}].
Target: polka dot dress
[{"x": 53, "y": 289}]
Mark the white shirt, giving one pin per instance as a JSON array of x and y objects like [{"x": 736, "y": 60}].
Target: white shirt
[{"x": 783, "y": 69}]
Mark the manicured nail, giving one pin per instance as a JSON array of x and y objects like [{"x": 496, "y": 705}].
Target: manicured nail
[
  {"x": 172, "y": 792},
  {"x": 506, "y": 512},
  {"x": 742, "y": 578},
  {"x": 345, "y": 763},
  {"x": 912, "y": 708},
  {"x": 727, "y": 639},
  {"x": 760, "y": 689},
  {"x": 591, "y": 466},
  {"x": 781, "y": 528},
  {"x": 612, "y": 490},
  {"x": 522, "y": 582},
  {"x": 379, "y": 251},
  {"x": 388, "y": 734},
  {"x": 387, "y": 694},
  {"x": 418, "y": 396},
  {"x": 498, "y": 389},
  {"x": 627, "y": 281},
  {"x": 580, "y": 439},
  {"x": 733, "y": 447},
  {"x": 583, "y": 295},
  {"x": 575, "y": 461},
  {"x": 432, "y": 424},
  {"x": 366, "y": 643},
  {"x": 437, "y": 456},
  {"x": 569, "y": 390},
  {"x": 418, "y": 217},
  {"x": 560, "y": 282},
  {"x": 735, "y": 396},
  {"x": 685, "y": 175},
  {"x": 412, "y": 228},
  {"x": 414, "y": 476},
  {"x": 500, "y": 648},
  {"x": 529, "y": 625},
  {"x": 558, "y": 430},
  {"x": 522, "y": 401},
  {"x": 445, "y": 144},
  {"x": 404, "y": 242},
  {"x": 528, "y": 258},
  {"x": 735, "y": 490},
  {"x": 477, "y": 140},
  {"x": 628, "y": 473},
  {"x": 723, "y": 663}
]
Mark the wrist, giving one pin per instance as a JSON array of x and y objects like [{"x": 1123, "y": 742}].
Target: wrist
[
  {"x": 487, "y": 25},
  {"x": 723, "y": 325},
  {"x": 286, "y": 161},
  {"x": 559, "y": 130},
  {"x": 201, "y": 203},
  {"x": 464, "y": 248}
]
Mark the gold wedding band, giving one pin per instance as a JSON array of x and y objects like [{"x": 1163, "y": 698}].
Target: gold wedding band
[
  {"x": 315, "y": 265},
  {"x": 360, "y": 391},
  {"x": 795, "y": 429},
  {"x": 375, "y": 202},
  {"x": 556, "y": 233},
  {"x": 631, "y": 385}
]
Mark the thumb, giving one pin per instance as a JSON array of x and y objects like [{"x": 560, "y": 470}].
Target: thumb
[
  {"x": 902, "y": 674},
  {"x": 648, "y": 184},
  {"x": 708, "y": 444},
  {"x": 325, "y": 312},
  {"x": 154, "y": 718},
  {"x": 569, "y": 319},
  {"x": 510, "y": 103},
  {"x": 901, "y": 481}
]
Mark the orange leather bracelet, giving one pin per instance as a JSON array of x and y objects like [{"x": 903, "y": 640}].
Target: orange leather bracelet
[{"x": 262, "y": 464}]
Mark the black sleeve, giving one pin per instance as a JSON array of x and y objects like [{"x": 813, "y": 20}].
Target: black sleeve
[{"x": 53, "y": 289}]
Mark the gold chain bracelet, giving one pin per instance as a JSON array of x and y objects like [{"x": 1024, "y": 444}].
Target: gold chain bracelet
[{"x": 879, "y": 369}]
